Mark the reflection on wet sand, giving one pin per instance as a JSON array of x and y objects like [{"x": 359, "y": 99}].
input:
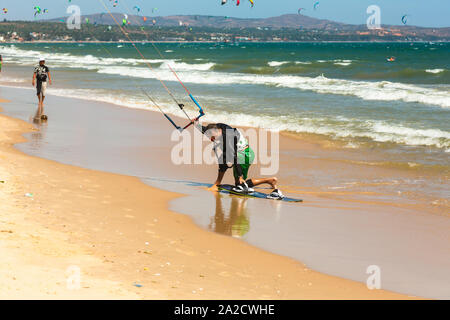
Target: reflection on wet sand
[
  {"x": 37, "y": 137},
  {"x": 236, "y": 222}
]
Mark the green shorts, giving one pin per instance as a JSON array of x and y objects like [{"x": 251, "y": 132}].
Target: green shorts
[{"x": 245, "y": 159}]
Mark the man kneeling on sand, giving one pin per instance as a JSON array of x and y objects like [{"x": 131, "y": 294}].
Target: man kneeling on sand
[{"x": 236, "y": 150}]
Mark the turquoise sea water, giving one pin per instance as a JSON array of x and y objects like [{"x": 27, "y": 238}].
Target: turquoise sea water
[{"x": 346, "y": 93}]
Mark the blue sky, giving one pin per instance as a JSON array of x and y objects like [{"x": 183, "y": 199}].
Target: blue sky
[{"x": 429, "y": 13}]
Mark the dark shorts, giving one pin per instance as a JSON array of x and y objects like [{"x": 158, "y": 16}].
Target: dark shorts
[{"x": 41, "y": 87}]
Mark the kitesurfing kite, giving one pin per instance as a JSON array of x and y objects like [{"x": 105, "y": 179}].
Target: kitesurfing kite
[
  {"x": 316, "y": 5},
  {"x": 300, "y": 10},
  {"x": 405, "y": 19},
  {"x": 5, "y": 10},
  {"x": 37, "y": 10},
  {"x": 238, "y": 2}
]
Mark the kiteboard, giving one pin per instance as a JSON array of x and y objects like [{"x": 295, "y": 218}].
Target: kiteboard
[{"x": 228, "y": 189}]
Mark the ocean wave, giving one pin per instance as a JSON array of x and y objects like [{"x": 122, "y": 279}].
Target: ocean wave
[
  {"x": 435, "y": 70},
  {"x": 276, "y": 63},
  {"x": 201, "y": 73},
  {"x": 377, "y": 131},
  {"x": 340, "y": 128},
  {"x": 182, "y": 66},
  {"x": 4, "y": 79},
  {"x": 30, "y": 57},
  {"x": 381, "y": 90},
  {"x": 342, "y": 63}
]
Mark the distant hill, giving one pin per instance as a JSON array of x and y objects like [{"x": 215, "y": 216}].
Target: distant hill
[
  {"x": 285, "y": 28},
  {"x": 292, "y": 21}
]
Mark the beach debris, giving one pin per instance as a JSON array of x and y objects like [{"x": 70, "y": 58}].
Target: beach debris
[
  {"x": 137, "y": 285},
  {"x": 28, "y": 194},
  {"x": 2, "y": 181},
  {"x": 147, "y": 243},
  {"x": 157, "y": 274}
]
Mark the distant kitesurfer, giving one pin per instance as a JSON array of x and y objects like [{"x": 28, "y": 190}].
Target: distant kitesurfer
[
  {"x": 1, "y": 63},
  {"x": 40, "y": 76},
  {"x": 237, "y": 152}
]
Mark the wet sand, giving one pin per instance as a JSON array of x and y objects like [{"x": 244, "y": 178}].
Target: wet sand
[{"x": 112, "y": 218}]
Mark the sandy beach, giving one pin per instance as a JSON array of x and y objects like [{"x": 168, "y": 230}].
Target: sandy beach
[{"x": 126, "y": 242}]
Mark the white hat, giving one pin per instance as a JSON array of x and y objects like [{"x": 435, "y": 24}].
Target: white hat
[{"x": 41, "y": 59}]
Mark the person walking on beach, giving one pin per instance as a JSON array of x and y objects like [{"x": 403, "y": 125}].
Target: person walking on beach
[
  {"x": 1, "y": 63},
  {"x": 236, "y": 150},
  {"x": 40, "y": 76}
]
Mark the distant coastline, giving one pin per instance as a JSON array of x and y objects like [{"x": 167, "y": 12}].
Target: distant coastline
[
  {"x": 243, "y": 42},
  {"x": 211, "y": 29}
]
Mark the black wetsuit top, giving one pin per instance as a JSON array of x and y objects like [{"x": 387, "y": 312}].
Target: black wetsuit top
[{"x": 228, "y": 144}]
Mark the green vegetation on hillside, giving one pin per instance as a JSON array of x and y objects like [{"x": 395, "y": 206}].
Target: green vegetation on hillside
[{"x": 54, "y": 31}]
